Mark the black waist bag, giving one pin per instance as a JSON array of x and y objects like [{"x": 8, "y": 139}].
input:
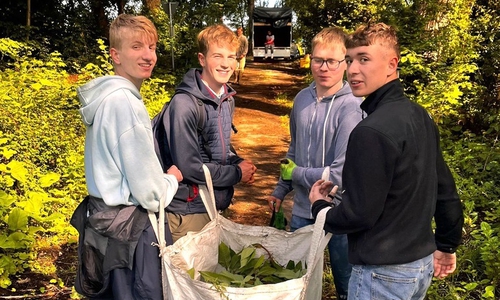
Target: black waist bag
[{"x": 109, "y": 230}]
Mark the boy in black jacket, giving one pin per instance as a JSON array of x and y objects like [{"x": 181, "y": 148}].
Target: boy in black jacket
[{"x": 395, "y": 182}]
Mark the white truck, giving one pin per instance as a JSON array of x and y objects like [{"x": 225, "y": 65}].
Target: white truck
[{"x": 279, "y": 22}]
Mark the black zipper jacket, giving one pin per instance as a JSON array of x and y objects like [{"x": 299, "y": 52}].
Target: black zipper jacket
[{"x": 395, "y": 181}]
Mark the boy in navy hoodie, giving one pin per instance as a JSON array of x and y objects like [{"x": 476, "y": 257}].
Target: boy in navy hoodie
[{"x": 189, "y": 148}]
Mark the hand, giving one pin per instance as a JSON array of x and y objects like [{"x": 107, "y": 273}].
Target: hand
[
  {"x": 248, "y": 170},
  {"x": 286, "y": 169},
  {"x": 274, "y": 203},
  {"x": 444, "y": 264},
  {"x": 173, "y": 170},
  {"x": 322, "y": 189}
]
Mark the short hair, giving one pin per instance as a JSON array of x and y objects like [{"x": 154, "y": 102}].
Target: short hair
[
  {"x": 370, "y": 34},
  {"x": 218, "y": 34},
  {"x": 137, "y": 24},
  {"x": 330, "y": 36}
]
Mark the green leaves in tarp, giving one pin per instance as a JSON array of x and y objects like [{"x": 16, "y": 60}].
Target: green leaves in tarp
[{"x": 245, "y": 269}]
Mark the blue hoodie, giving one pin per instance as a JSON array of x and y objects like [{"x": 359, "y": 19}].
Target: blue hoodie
[
  {"x": 319, "y": 133},
  {"x": 185, "y": 144},
  {"x": 121, "y": 166}
]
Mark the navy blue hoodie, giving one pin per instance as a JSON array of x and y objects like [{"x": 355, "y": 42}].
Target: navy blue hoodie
[{"x": 186, "y": 145}]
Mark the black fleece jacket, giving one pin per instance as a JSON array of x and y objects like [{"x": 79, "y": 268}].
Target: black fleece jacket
[{"x": 395, "y": 181}]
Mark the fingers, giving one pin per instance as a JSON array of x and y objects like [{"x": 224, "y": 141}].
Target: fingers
[
  {"x": 334, "y": 190},
  {"x": 326, "y": 188},
  {"x": 315, "y": 193},
  {"x": 247, "y": 171},
  {"x": 331, "y": 194},
  {"x": 173, "y": 170},
  {"x": 441, "y": 271},
  {"x": 252, "y": 179},
  {"x": 444, "y": 264},
  {"x": 274, "y": 203},
  {"x": 317, "y": 184}
]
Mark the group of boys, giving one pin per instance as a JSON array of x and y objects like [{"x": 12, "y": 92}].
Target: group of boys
[{"x": 383, "y": 152}]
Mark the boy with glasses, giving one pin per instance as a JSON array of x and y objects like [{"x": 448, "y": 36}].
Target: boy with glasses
[
  {"x": 395, "y": 182},
  {"x": 190, "y": 148},
  {"x": 321, "y": 120}
]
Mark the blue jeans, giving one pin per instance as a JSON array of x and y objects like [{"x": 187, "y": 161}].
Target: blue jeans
[
  {"x": 404, "y": 281},
  {"x": 337, "y": 248}
]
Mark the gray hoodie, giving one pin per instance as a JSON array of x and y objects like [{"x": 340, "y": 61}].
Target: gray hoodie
[
  {"x": 319, "y": 133},
  {"x": 121, "y": 166}
]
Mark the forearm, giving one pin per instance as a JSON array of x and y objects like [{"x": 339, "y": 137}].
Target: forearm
[
  {"x": 224, "y": 175},
  {"x": 282, "y": 189}
]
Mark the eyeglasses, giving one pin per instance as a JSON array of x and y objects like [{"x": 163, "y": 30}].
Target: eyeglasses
[{"x": 331, "y": 64}]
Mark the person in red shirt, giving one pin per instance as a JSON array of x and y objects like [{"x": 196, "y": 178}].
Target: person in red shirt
[{"x": 269, "y": 44}]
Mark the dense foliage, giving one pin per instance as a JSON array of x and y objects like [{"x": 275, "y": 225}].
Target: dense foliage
[{"x": 450, "y": 65}]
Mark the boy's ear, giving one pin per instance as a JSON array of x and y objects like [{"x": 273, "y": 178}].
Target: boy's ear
[
  {"x": 393, "y": 65},
  {"x": 201, "y": 59},
  {"x": 115, "y": 56}
]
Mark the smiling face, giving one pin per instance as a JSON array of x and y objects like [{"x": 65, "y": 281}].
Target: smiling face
[
  {"x": 218, "y": 65},
  {"x": 135, "y": 57},
  {"x": 132, "y": 47},
  {"x": 217, "y": 55}
]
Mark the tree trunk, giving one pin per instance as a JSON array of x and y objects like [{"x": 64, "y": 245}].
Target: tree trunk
[
  {"x": 98, "y": 10},
  {"x": 28, "y": 19},
  {"x": 251, "y": 6}
]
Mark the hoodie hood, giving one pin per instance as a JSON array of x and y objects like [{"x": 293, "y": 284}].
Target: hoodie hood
[
  {"x": 344, "y": 90},
  {"x": 93, "y": 93},
  {"x": 192, "y": 84}
]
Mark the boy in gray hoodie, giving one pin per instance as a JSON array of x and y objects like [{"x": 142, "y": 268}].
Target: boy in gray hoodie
[{"x": 321, "y": 120}]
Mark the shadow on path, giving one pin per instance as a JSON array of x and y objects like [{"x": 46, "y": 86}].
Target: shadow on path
[{"x": 263, "y": 136}]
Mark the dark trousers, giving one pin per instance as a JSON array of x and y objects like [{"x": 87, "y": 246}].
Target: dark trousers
[{"x": 144, "y": 281}]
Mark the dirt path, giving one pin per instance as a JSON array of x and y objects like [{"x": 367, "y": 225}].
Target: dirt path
[{"x": 263, "y": 134}]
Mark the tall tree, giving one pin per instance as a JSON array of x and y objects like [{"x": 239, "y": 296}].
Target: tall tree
[
  {"x": 151, "y": 5},
  {"x": 251, "y": 7}
]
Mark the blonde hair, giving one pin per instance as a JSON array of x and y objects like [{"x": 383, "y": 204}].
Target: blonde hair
[
  {"x": 137, "y": 24},
  {"x": 218, "y": 34},
  {"x": 331, "y": 36},
  {"x": 370, "y": 34}
]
